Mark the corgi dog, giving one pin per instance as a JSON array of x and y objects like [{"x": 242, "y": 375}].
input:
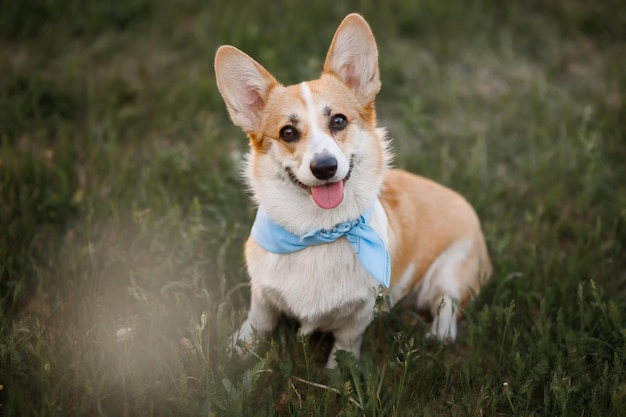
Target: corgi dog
[{"x": 334, "y": 222}]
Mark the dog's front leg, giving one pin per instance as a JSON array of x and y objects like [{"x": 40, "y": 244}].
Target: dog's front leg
[
  {"x": 350, "y": 335},
  {"x": 261, "y": 320}
]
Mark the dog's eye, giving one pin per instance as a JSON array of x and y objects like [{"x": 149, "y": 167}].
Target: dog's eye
[
  {"x": 338, "y": 122},
  {"x": 289, "y": 134}
]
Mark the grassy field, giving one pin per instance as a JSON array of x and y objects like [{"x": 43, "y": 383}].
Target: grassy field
[{"x": 122, "y": 215}]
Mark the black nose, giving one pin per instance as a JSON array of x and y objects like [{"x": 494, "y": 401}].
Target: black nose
[{"x": 324, "y": 167}]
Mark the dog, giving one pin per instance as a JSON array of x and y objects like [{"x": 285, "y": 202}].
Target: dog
[{"x": 334, "y": 222}]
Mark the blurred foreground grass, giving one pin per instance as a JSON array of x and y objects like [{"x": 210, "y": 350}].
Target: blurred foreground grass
[{"x": 122, "y": 215}]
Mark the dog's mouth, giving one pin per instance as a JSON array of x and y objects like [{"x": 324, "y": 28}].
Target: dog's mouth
[{"x": 328, "y": 195}]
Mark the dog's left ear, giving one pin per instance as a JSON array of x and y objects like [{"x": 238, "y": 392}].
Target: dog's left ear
[{"x": 353, "y": 58}]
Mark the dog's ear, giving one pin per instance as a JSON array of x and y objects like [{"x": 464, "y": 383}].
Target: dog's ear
[
  {"x": 244, "y": 84},
  {"x": 353, "y": 58}
]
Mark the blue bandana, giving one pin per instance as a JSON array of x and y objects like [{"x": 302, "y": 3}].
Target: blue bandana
[{"x": 367, "y": 244}]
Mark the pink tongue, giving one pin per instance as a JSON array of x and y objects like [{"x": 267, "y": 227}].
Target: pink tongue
[{"x": 328, "y": 196}]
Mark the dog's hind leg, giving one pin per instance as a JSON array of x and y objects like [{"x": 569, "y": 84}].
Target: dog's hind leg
[{"x": 450, "y": 282}]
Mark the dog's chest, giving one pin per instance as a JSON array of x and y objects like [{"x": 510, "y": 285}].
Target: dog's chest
[{"x": 319, "y": 285}]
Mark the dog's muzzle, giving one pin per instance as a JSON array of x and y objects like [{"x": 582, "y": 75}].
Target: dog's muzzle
[{"x": 307, "y": 188}]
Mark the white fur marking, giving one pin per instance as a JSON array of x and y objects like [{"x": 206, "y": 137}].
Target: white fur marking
[{"x": 319, "y": 142}]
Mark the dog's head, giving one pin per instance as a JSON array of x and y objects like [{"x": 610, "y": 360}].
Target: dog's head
[{"x": 315, "y": 148}]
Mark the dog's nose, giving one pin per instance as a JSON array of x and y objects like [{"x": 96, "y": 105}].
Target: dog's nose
[{"x": 324, "y": 167}]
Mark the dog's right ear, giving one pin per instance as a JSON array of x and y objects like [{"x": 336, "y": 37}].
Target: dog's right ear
[{"x": 244, "y": 85}]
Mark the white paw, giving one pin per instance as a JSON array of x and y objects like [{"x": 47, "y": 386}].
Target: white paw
[
  {"x": 243, "y": 341},
  {"x": 444, "y": 326},
  {"x": 443, "y": 337}
]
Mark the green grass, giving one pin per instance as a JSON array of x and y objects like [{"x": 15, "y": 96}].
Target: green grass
[{"x": 122, "y": 209}]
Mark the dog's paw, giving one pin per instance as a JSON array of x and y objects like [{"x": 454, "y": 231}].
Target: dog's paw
[
  {"x": 440, "y": 338},
  {"x": 239, "y": 348},
  {"x": 243, "y": 342},
  {"x": 443, "y": 331}
]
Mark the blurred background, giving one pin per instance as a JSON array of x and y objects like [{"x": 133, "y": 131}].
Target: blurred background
[{"x": 123, "y": 215}]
